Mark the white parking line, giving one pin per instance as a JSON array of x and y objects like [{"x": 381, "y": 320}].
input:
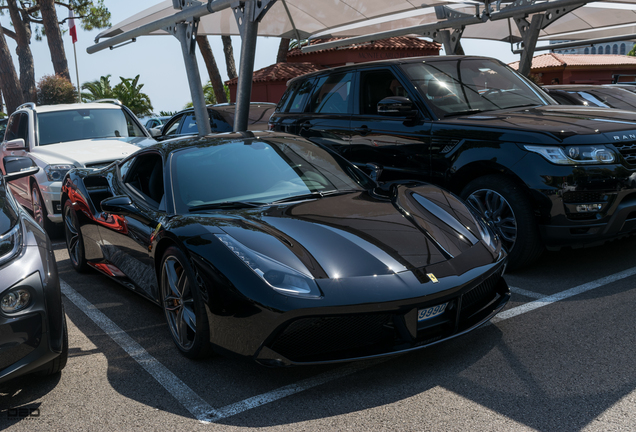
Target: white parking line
[
  {"x": 203, "y": 412},
  {"x": 527, "y": 307},
  {"x": 526, "y": 293},
  {"x": 265, "y": 398},
  {"x": 199, "y": 408}
]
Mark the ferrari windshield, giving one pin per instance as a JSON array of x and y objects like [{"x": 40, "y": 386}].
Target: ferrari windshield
[
  {"x": 80, "y": 124},
  {"x": 471, "y": 85},
  {"x": 254, "y": 172}
]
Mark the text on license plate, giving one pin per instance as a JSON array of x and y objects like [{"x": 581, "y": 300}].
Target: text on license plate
[{"x": 431, "y": 312}]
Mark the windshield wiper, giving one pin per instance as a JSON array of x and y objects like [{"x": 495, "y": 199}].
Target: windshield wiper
[
  {"x": 470, "y": 111},
  {"x": 225, "y": 205},
  {"x": 311, "y": 195}
]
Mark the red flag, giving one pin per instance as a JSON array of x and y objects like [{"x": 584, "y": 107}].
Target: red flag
[{"x": 71, "y": 25}]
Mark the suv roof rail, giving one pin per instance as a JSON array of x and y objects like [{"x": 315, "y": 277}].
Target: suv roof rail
[
  {"x": 30, "y": 105},
  {"x": 113, "y": 101}
]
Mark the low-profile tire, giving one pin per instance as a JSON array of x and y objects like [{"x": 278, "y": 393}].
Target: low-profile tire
[
  {"x": 183, "y": 306},
  {"x": 504, "y": 204},
  {"x": 74, "y": 239},
  {"x": 40, "y": 214},
  {"x": 57, "y": 364}
]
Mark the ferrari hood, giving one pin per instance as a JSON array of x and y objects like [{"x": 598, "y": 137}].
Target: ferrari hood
[
  {"x": 356, "y": 234},
  {"x": 88, "y": 152}
]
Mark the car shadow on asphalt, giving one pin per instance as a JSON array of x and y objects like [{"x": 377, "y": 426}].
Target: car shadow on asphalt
[{"x": 19, "y": 398}]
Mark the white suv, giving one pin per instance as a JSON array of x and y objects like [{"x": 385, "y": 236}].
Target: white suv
[{"x": 61, "y": 137}]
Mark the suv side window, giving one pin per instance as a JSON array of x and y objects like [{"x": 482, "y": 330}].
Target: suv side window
[
  {"x": 18, "y": 128},
  {"x": 189, "y": 125},
  {"x": 375, "y": 86},
  {"x": 173, "y": 127},
  {"x": 300, "y": 95},
  {"x": 332, "y": 94}
]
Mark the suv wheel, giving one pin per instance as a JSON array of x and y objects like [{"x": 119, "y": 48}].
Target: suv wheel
[
  {"x": 39, "y": 211},
  {"x": 504, "y": 205}
]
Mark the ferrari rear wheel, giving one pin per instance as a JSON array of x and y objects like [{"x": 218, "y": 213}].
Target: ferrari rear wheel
[
  {"x": 183, "y": 305},
  {"x": 74, "y": 239}
]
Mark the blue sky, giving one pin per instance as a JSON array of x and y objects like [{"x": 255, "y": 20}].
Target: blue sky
[{"x": 159, "y": 61}]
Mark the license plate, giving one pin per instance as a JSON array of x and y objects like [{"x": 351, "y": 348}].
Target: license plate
[{"x": 431, "y": 312}]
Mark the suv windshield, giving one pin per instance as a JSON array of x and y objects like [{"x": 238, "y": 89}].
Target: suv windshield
[
  {"x": 470, "y": 85},
  {"x": 259, "y": 172},
  {"x": 79, "y": 124}
]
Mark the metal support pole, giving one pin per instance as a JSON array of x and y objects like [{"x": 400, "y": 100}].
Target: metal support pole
[
  {"x": 186, "y": 33},
  {"x": 530, "y": 35},
  {"x": 248, "y": 25}
]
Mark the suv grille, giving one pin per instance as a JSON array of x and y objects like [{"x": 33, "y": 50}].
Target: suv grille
[{"x": 628, "y": 151}]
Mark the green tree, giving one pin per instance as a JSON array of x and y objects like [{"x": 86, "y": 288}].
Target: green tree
[
  {"x": 41, "y": 15},
  {"x": 210, "y": 95},
  {"x": 633, "y": 51},
  {"x": 98, "y": 89},
  {"x": 128, "y": 91},
  {"x": 55, "y": 89}
]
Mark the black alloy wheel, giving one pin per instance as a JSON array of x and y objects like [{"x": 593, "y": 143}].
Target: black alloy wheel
[
  {"x": 183, "y": 306},
  {"x": 506, "y": 208},
  {"x": 74, "y": 239}
]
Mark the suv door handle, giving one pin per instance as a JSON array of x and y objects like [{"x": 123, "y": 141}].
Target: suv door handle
[
  {"x": 362, "y": 130},
  {"x": 306, "y": 125}
]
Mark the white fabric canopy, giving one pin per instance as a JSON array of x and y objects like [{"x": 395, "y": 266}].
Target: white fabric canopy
[
  {"x": 598, "y": 18},
  {"x": 309, "y": 16}
]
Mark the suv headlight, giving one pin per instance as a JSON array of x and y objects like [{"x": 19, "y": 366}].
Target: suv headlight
[
  {"x": 574, "y": 155},
  {"x": 57, "y": 172},
  {"x": 277, "y": 275},
  {"x": 11, "y": 244}
]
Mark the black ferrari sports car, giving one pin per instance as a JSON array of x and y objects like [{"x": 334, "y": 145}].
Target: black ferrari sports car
[{"x": 270, "y": 247}]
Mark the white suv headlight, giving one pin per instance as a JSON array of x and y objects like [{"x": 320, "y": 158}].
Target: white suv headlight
[{"x": 57, "y": 172}]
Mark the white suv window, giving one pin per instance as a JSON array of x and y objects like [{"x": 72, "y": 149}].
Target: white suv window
[{"x": 79, "y": 124}]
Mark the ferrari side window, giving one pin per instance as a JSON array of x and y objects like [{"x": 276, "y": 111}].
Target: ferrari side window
[
  {"x": 123, "y": 168},
  {"x": 145, "y": 177}
]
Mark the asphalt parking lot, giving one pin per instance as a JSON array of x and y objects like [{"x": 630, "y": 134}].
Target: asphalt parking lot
[{"x": 560, "y": 357}]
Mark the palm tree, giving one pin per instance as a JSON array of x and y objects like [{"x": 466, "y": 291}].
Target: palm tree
[
  {"x": 128, "y": 91},
  {"x": 98, "y": 89}
]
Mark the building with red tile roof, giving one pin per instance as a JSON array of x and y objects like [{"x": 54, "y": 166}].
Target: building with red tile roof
[
  {"x": 269, "y": 83},
  {"x": 581, "y": 68}
]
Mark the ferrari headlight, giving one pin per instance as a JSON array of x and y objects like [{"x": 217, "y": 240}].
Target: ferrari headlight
[
  {"x": 277, "y": 275},
  {"x": 573, "y": 155},
  {"x": 10, "y": 244},
  {"x": 57, "y": 172}
]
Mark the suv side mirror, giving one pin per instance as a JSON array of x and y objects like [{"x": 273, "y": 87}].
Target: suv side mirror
[
  {"x": 16, "y": 144},
  {"x": 154, "y": 132},
  {"x": 18, "y": 167},
  {"x": 397, "y": 106}
]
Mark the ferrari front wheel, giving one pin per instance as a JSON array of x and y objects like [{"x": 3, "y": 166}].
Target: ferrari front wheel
[{"x": 183, "y": 306}]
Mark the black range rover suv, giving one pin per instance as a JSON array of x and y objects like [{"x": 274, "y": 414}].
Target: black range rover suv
[{"x": 543, "y": 175}]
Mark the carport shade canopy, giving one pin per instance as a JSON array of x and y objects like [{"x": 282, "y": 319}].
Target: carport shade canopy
[{"x": 361, "y": 20}]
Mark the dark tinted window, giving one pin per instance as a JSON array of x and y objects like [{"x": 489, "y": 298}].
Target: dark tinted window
[
  {"x": 172, "y": 127},
  {"x": 18, "y": 128},
  {"x": 332, "y": 94},
  {"x": 298, "y": 101},
  {"x": 78, "y": 124},
  {"x": 258, "y": 171},
  {"x": 144, "y": 174},
  {"x": 189, "y": 126},
  {"x": 375, "y": 86},
  {"x": 470, "y": 85}
]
